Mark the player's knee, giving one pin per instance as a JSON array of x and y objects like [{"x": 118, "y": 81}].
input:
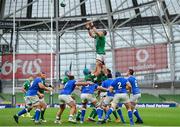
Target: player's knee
[
  {"x": 38, "y": 106},
  {"x": 104, "y": 104},
  {"x": 96, "y": 104},
  {"x": 72, "y": 104},
  {"x": 84, "y": 105},
  {"x": 128, "y": 106},
  {"x": 44, "y": 105},
  {"x": 113, "y": 105},
  {"x": 29, "y": 109},
  {"x": 133, "y": 105},
  {"x": 62, "y": 106}
]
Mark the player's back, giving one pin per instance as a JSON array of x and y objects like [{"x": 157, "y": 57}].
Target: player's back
[
  {"x": 119, "y": 85},
  {"x": 100, "y": 44},
  {"x": 89, "y": 89},
  {"x": 34, "y": 88},
  {"x": 68, "y": 87},
  {"x": 134, "y": 84},
  {"x": 107, "y": 84},
  {"x": 42, "y": 91},
  {"x": 26, "y": 84},
  {"x": 65, "y": 80}
]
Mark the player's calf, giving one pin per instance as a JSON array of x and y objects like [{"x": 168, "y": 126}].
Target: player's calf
[
  {"x": 16, "y": 117},
  {"x": 72, "y": 112}
]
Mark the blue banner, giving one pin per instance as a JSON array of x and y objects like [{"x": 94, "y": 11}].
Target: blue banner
[
  {"x": 2, "y": 106},
  {"x": 156, "y": 105}
]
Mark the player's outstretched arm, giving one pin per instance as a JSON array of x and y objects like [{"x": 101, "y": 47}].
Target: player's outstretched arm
[
  {"x": 45, "y": 88},
  {"x": 98, "y": 33},
  {"x": 95, "y": 31},
  {"x": 102, "y": 89},
  {"x": 111, "y": 89},
  {"x": 23, "y": 90},
  {"x": 40, "y": 94},
  {"x": 88, "y": 26},
  {"x": 84, "y": 83},
  {"x": 61, "y": 86}
]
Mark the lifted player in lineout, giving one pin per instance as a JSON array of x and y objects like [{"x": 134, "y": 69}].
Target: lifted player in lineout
[{"x": 100, "y": 38}]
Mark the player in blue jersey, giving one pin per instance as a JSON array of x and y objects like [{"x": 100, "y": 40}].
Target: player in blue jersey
[
  {"x": 32, "y": 99},
  {"x": 87, "y": 96},
  {"x": 24, "y": 89},
  {"x": 136, "y": 94},
  {"x": 65, "y": 98},
  {"x": 119, "y": 85},
  {"x": 41, "y": 94},
  {"x": 109, "y": 98}
]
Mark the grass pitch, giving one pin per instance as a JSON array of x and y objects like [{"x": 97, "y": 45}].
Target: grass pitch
[{"x": 151, "y": 117}]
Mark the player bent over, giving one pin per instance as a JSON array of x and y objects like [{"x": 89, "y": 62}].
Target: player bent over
[
  {"x": 136, "y": 94},
  {"x": 87, "y": 96},
  {"x": 65, "y": 98},
  {"x": 120, "y": 85},
  {"x": 109, "y": 98},
  {"x": 32, "y": 99}
]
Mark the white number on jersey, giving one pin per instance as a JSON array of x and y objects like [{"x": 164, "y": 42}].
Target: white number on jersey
[
  {"x": 87, "y": 86},
  {"x": 65, "y": 85},
  {"x": 119, "y": 85},
  {"x": 136, "y": 83},
  {"x": 31, "y": 83}
]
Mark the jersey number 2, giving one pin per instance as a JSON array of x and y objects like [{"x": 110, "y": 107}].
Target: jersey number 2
[{"x": 119, "y": 85}]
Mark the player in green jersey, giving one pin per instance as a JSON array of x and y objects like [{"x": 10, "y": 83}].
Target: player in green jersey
[
  {"x": 27, "y": 84},
  {"x": 100, "y": 38},
  {"x": 66, "y": 77}
]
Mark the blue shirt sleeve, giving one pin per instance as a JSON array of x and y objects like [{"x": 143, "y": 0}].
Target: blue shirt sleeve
[
  {"x": 103, "y": 84},
  {"x": 96, "y": 86},
  {"x": 125, "y": 80},
  {"x": 129, "y": 80},
  {"x": 74, "y": 82},
  {"x": 114, "y": 83},
  {"x": 39, "y": 80}
]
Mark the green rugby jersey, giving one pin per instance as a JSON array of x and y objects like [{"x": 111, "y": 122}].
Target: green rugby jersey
[
  {"x": 44, "y": 83},
  {"x": 26, "y": 85},
  {"x": 100, "y": 44}
]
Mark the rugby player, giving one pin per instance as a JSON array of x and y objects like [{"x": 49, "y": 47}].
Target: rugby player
[
  {"x": 87, "y": 96},
  {"x": 136, "y": 94},
  {"x": 32, "y": 99},
  {"x": 120, "y": 85},
  {"x": 110, "y": 95},
  {"x": 65, "y": 98},
  {"x": 100, "y": 38}
]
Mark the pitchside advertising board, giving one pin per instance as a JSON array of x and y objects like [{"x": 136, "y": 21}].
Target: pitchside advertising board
[
  {"x": 140, "y": 105},
  {"x": 142, "y": 59},
  {"x": 26, "y": 65}
]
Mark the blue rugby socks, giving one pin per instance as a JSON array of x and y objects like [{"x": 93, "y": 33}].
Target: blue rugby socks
[
  {"x": 130, "y": 115},
  {"x": 120, "y": 115},
  {"x": 22, "y": 112}
]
